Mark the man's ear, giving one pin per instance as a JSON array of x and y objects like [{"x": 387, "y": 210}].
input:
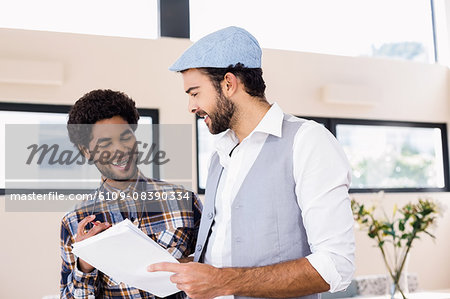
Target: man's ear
[
  {"x": 84, "y": 151},
  {"x": 229, "y": 84}
]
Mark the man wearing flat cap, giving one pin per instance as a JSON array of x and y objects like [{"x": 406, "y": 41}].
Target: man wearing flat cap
[{"x": 276, "y": 221}]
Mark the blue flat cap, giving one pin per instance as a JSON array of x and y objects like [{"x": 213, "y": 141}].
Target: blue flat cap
[{"x": 221, "y": 49}]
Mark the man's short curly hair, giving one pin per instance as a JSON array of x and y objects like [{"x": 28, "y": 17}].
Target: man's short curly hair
[{"x": 98, "y": 105}]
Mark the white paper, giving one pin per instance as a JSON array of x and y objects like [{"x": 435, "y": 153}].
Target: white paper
[{"x": 123, "y": 252}]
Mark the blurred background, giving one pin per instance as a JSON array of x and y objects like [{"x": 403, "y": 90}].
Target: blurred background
[{"x": 374, "y": 72}]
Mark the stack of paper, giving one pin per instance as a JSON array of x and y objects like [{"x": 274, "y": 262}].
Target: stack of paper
[{"x": 123, "y": 252}]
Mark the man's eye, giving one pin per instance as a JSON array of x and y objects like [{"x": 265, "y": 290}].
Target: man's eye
[
  {"x": 126, "y": 138},
  {"x": 104, "y": 145},
  {"x": 194, "y": 95}
]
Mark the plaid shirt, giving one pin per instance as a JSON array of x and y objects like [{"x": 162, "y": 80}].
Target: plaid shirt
[{"x": 173, "y": 229}]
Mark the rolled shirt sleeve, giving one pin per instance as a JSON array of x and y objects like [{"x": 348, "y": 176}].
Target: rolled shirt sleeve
[
  {"x": 87, "y": 279},
  {"x": 322, "y": 174}
]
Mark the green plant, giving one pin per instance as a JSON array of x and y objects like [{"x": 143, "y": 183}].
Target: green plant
[{"x": 400, "y": 230}]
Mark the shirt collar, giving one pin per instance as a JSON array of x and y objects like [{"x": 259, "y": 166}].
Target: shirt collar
[{"x": 271, "y": 124}]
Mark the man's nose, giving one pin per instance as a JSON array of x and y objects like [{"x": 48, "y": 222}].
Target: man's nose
[
  {"x": 192, "y": 106},
  {"x": 121, "y": 148}
]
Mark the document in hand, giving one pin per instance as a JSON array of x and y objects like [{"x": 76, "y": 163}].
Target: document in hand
[{"x": 123, "y": 252}]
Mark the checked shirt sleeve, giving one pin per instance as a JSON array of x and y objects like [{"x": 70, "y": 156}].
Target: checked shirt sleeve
[
  {"x": 180, "y": 241},
  {"x": 74, "y": 283}
]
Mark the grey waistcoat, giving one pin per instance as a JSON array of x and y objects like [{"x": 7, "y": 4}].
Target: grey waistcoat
[{"x": 266, "y": 222}]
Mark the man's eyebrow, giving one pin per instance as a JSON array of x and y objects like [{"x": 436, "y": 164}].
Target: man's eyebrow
[
  {"x": 192, "y": 88},
  {"x": 127, "y": 131},
  {"x": 100, "y": 140}
]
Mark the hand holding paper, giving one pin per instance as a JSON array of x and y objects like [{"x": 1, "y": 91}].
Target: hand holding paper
[
  {"x": 195, "y": 279},
  {"x": 123, "y": 252},
  {"x": 82, "y": 235}
]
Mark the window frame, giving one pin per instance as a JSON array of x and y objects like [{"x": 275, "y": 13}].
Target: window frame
[
  {"x": 331, "y": 124},
  {"x": 200, "y": 190},
  {"x": 56, "y": 108}
]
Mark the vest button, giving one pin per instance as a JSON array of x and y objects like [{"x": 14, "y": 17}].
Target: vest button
[
  {"x": 199, "y": 247},
  {"x": 238, "y": 240},
  {"x": 210, "y": 215}
]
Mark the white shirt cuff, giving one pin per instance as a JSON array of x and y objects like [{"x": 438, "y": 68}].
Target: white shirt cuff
[{"x": 326, "y": 268}]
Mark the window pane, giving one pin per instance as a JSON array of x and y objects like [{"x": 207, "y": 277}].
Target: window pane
[
  {"x": 138, "y": 18},
  {"x": 57, "y": 134},
  {"x": 393, "y": 156},
  {"x": 205, "y": 144},
  {"x": 382, "y": 28}
]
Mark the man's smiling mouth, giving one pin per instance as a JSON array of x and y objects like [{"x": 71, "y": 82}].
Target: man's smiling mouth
[{"x": 122, "y": 164}]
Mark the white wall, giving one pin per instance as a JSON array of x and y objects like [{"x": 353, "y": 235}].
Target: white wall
[{"x": 29, "y": 254}]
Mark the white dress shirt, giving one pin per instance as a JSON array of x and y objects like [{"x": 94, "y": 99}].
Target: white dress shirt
[{"x": 322, "y": 176}]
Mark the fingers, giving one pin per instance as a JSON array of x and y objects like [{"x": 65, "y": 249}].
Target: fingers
[
  {"x": 176, "y": 279},
  {"x": 97, "y": 228},
  {"x": 168, "y": 267},
  {"x": 83, "y": 223},
  {"x": 180, "y": 286}
]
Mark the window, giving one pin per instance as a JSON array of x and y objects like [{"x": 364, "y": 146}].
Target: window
[
  {"x": 138, "y": 19},
  {"x": 205, "y": 149},
  {"x": 49, "y": 125},
  {"x": 392, "y": 156},
  {"x": 380, "y": 28}
]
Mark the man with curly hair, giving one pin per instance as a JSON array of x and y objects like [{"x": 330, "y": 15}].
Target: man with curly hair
[{"x": 102, "y": 124}]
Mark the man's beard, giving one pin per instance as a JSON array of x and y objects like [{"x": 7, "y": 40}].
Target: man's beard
[{"x": 223, "y": 114}]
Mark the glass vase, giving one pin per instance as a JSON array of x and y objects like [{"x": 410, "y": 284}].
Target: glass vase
[{"x": 400, "y": 291}]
